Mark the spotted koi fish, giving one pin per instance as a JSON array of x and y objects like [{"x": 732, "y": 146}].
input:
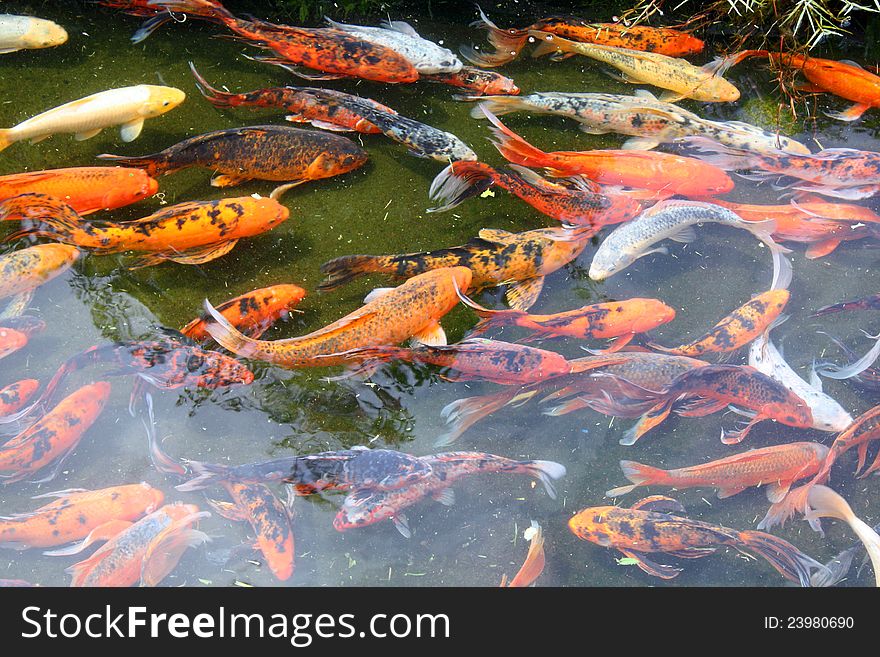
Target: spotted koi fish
[
  {"x": 332, "y": 51},
  {"x": 367, "y": 506},
  {"x": 510, "y": 42},
  {"x": 496, "y": 257},
  {"x": 189, "y": 233},
  {"x": 27, "y": 269},
  {"x": 477, "y": 81},
  {"x": 738, "y": 329},
  {"x": 265, "y": 152},
  {"x": 574, "y": 203},
  {"x": 390, "y": 316},
  {"x": 144, "y": 553},
  {"x": 616, "y": 320},
  {"x": 78, "y": 514},
  {"x": 54, "y": 436},
  {"x": 649, "y": 526},
  {"x": 252, "y": 313},
  {"x": 14, "y": 396},
  {"x": 270, "y": 520}
]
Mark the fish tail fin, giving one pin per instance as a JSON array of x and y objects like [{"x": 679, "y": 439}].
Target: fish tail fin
[
  {"x": 546, "y": 472},
  {"x": 340, "y": 271},
  {"x": 462, "y": 414},
  {"x": 648, "y": 421},
  {"x": 639, "y": 474},
  {"x": 149, "y": 26},
  {"x": 488, "y": 317},
  {"x": 514, "y": 148},
  {"x": 214, "y": 96},
  {"x": 42, "y": 216},
  {"x": 497, "y": 105},
  {"x": 6, "y": 139},
  {"x": 152, "y": 164},
  {"x": 782, "y": 555},
  {"x": 459, "y": 182},
  {"x": 205, "y": 476},
  {"x": 508, "y": 44},
  {"x": 720, "y": 65},
  {"x": 227, "y": 335}
]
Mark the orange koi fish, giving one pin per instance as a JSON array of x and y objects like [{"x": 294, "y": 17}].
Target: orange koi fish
[
  {"x": 16, "y": 332},
  {"x": 574, "y": 203},
  {"x": 533, "y": 566},
  {"x": 616, "y": 320},
  {"x": 477, "y": 81},
  {"x": 328, "y": 50},
  {"x": 508, "y": 43},
  {"x": 13, "y": 397},
  {"x": 27, "y": 269},
  {"x": 496, "y": 257},
  {"x": 146, "y": 552},
  {"x": 737, "y": 329},
  {"x": 85, "y": 189},
  {"x": 648, "y": 526},
  {"x": 11, "y": 341},
  {"x": 662, "y": 172},
  {"x": 270, "y": 520},
  {"x": 189, "y": 233},
  {"x": 78, "y": 514},
  {"x": 390, "y": 316},
  {"x": 54, "y": 436},
  {"x": 776, "y": 468},
  {"x": 252, "y": 313}
]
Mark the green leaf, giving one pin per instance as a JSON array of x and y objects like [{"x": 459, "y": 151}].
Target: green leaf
[{"x": 627, "y": 561}]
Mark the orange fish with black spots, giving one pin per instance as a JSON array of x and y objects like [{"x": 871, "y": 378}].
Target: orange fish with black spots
[
  {"x": 390, "y": 316},
  {"x": 79, "y": 514},
  {"x": 27, "y": 269},
  {"x": 14, "y": 396},
  {"x": 477, "y": 81},
  {"x": 323, "y": 49},
  {"x": 270, "y": 520},
  {"x": 649, "y": 527},
  {"x": 189, "y": 233},
  {"x": 496, "y": 257},
  {"x": 54, "y": 436},
  {"x": 263, "y": 152},
  {"x": 146, "y": 552},
  {"x": 252, "y": 313},
  {"x": 737, "y": 329}
]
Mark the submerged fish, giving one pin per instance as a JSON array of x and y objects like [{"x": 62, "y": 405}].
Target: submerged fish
[
  {"x": 477, "y": 81},
  {"x": 29, "y": 33},
  {"x": 496, "y": 257},
  {"x": 870, "y": 302},
  {"x": 86, "y": 117},
  {"x": 648, "y": 527},
  {"x": 533, "y": 566},
  {"x": 16, "y": 395},
  {"x": 27, "y": 269},
  {"x": 11, "y": 341}
]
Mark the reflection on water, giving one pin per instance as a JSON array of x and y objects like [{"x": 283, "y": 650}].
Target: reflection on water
[{"x": 381, "y": 208}]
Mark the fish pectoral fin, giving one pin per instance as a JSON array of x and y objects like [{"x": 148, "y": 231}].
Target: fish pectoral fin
[
  {"x": 591, "y": 130},
  {"x": 324, "y": 125},
  {"x": 446, "y": 497},
  {"x": 279, "y": 191},
  {"x": 648, "y": 421},
  {"x": 729, "y": 491},
  {"x": 496, "y": 235},
  {"x": 4, "y": 51},
  {"x": 659, "y": 504},
  {"x": 82, "y": 136},
  {"x": 777, "y": 491},
  {"x": 168, "y": 546},
  {"x": 37, "y": 140},
  {"x": 200, "y": 256},
  {"x": 432, "y": 335},
  {"x": 692, "y": 553},
  {"x": 225, "y": 180},
  {"x": 685, "y": 235},
  {"x": 227, "y": 510},
  {"x": 640, "y": 144},
  {"x": 401, "y": 524},
  {"x": 660, "y": 249},
  {"x": 103, "y": 532},
  {"x": 852, "y": 113},
  {"x": 671, "y": 97},
  {"x": 823, "y": 248},
  {"x": 524, "y": 294},
  {"x": 656, "y": 569},
  {"x": 131, "y": 130}
]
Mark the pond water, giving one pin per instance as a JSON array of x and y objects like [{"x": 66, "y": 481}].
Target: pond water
[{"x": 381, "y": 208}]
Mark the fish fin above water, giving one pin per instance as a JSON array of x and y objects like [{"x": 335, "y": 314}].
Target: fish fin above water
[
  {"x": 446, "y": 497},
  {"x": 662, "y": 571},
  {"x": 640, "y": 144},
  {"x": 103, "y": 532},
  {"x": 80, "y": 136},
  {"x": 225, "y": 180},
  {"x": 852, "y": 113},
  {"x": 432, "y": 335},
  {"x": 820, "y": 249},
  {"x": 524, "y": 294},
  {"x": 401, "y": 524},
  {"x": 659, "y": 504},
  {"x": 131, "y": 130}
]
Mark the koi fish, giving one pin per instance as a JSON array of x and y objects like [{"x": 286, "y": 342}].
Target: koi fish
[
  {"x": 775, "y": 468},
  {"x": 305, "y": 104},
  {"x": 270, "y": 520},
  {"x": 334, "y": 52},
  {"x": 718, "y": 386},
  {"x": 496, "y": 257},
  {"x": 389, "y": 316},
  {"x": 14, "y": 396},
  {"x": 477, "y": 81},
  {"x": 675, "y": 220},
  {"x": 16, "y": 332},
  {"x": 615, "y": 320},
  {"x": 663, "y": 172},
  {"x": 78, "y": 514},
  {"x": 189, "y": 233},
  {"x": 29, "y": 33},
  {"x": 681, "y": 78},
  {"x": 649, "y": 121},
  {"x": 738, "y": 329},
  {"x": 367, "y": 506},
  {"x": 11, "y": 341},
  {"x": 54, "y": 436},
  {"x": 509, "y": 42},
  {"x": 85, "y": 189},
  {"x": 86, "y": 117},
  {"x": 846, "y": 173},
  {"x": 533, "y": 566},
  {"x": 870, "y": 302},
  {"x": 827, "y": 414},
  {"x": 574, "y": 204},
  {"x": 358, "y": 467},
  {"x": 29, "y": 268},
  {"x": 252, "y": 313},
  {"x": 649, "y": 526},
  {"x": 146, "y": 552},
  {"x": 427, "y": 57},
  {"x": 263, "y": 152}
]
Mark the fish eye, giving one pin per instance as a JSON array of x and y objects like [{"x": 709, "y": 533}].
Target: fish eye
[{"x": 166, "y": 103}]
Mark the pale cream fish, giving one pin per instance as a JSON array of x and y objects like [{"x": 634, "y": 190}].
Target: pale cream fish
[
  {"x": 127, "y": 107},
  {"x": 28, "y": 33}
]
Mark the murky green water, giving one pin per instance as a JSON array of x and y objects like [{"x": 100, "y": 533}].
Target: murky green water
[{"x": 381, "y": 209}]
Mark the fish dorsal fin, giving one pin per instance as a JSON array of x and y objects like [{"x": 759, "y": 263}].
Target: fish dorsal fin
[
  {"x": 400, "y": 26},
  {"x": 432, "y": 335},
  {"x": 659, "y": 504},
  {"x": 685, "y": 235},
  {"x": 524, "y": 294},
  {"x": 345, "y": 324},
  {"x": 496, "y": 235},
  {"x": 378, "y": 292}
]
